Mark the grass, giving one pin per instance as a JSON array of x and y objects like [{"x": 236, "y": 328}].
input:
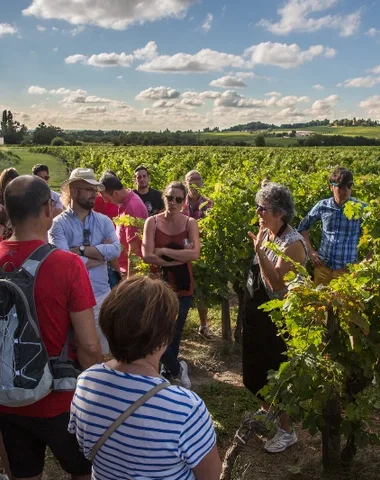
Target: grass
[{"x": 27, "y": 159}]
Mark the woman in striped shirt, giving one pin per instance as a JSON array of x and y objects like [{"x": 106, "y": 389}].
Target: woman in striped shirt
[{"x": 171, "y": 435}]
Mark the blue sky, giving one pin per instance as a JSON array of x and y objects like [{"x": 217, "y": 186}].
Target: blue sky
[{"x": 180, "y": 64}]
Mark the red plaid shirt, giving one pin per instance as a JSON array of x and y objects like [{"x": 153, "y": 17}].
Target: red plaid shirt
[{"x": 199, "y": 210}]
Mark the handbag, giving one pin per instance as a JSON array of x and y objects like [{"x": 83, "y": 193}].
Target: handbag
[{"x": 130, "y": 410}]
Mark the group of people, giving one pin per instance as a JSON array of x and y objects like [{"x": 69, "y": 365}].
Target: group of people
[{"x": 134, "y": 416}]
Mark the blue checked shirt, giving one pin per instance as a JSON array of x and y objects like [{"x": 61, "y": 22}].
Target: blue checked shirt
[
  {"x": 67, "y": 232},
  {"x": 340, "y": 236}
]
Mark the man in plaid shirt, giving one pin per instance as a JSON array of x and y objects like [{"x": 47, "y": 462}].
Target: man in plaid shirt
[{"x": 340, "y": 236}]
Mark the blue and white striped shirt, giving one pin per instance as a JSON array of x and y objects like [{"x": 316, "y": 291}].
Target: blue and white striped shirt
[
  {"x": 340, "y": 236},
  {"x": 164, "y": 439}
]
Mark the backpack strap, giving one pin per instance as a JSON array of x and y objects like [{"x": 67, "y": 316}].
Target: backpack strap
[
  {"x": 116, "y": 424},
  {"x": 34, "y": 261}
]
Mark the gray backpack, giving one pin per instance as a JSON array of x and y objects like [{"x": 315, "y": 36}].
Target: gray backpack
[{"x": 27, "y": 374}]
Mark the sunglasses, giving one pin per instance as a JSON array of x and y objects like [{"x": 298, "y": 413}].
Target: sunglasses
[
  {"x": 86, "y": 237},
  {"x": 341, "y": 186},
  {"x": 260, "y": 208},
  {"x": 170, "y": 198}
]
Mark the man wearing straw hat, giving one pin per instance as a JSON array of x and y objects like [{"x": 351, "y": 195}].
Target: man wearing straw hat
[{"x": 89, "y": 234}]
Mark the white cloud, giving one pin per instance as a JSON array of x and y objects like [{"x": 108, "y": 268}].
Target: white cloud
[
  {"x": 206, "y": 60},
  {"x": 375, "y": 70},
  {"x": 323, "y": 108},
  {"x": 119, "y": 77},
  {"x": 284, "y": 55},
  {"x": 291, "y": 101},
  {"x": 55, "y": 29},
  {"x": 243, "y": 74},
  {"x": 228, "y": 82},
  {"x": 207, "y": 24},
  {"x": 81, "y": 97},
  {"x": 299, "y": 16},
  {"x": 7, "y": 29},
  {"x": 35, "y": 90},
  {"x": 318, "y": 86},
  {"x": 372, "y": 105},
  {"x": 372, "y": 32},
  {"x": 158, "y": 93},
  {"x": 146, "y": 53},
  {"x": 40, "y": 28},
  {"x": 113, "y": 59},
  {"x": 110, "y": 60},
  {"x": 273, "y": 94},
  {"x": 55, "y": 49},
  {"x": 78, "y": 58},
  {"x": 77, "y": 30},
  {"x": 115, "y": 14},
  {"x": 194, "y": 102},
  {"x": 90, "y": 110},
  {"x": 360, "y": 82},
  {"x": 230, "y": 98}
]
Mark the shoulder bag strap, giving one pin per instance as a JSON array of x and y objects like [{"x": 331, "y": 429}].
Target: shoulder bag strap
[{"x": 116, "y": 424}]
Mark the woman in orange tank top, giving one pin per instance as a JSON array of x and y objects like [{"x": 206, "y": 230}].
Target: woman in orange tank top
[{"x": 170, "y": 244}]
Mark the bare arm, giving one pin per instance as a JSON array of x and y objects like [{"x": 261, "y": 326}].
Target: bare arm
[
  {"x": 313, "y": 254},
  {"x": 148, "y": 247},
  {"x": 187, "y": 254},
  {"x": 86, "y": 338},
  {"x": 210, "y": 467},
  {"x": 274, "y": 274}
]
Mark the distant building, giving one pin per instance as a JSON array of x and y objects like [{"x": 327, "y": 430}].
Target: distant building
[{"x": 1, "y": 140}]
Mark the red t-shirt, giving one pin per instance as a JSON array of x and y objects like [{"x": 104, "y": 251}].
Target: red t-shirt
[
  {"x": 106, "y": 208},
  {"x": 62, "y": 286}
]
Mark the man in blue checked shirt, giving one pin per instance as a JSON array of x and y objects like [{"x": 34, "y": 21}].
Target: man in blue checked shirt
[
  {"x": 86, "y": 233},
  {"x": 340, "y": 236}
]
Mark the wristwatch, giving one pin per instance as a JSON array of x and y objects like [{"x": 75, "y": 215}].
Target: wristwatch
[{"x": 82, "y": 248}]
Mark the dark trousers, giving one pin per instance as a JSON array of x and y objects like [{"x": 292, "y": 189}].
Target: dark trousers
[{"x": 169, "y": 358}]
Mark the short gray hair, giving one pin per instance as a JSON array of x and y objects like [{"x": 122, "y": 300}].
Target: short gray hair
[{"x": 278, "y": 198}]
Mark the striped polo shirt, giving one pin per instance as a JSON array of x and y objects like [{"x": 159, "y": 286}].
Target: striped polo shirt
[{"x": 164, "y": 439}]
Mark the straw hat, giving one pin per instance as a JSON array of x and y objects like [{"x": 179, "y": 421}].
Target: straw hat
[{"x": 85, "y": 174}]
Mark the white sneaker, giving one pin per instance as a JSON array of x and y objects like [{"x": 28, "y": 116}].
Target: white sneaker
[
  {"x": 281, "y": 441},
  {"x": 183, "y": 375}
]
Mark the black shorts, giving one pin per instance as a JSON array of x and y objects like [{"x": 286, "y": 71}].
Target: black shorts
[{"x": 26, "y": 439}]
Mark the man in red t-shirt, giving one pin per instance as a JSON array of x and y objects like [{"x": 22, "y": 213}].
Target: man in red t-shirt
[
  {"x": 64, "y": 299},
  {"x": 131, "y": 204}
]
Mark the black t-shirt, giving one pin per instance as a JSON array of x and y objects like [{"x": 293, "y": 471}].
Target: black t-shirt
[{"x": 153, "y": 201}]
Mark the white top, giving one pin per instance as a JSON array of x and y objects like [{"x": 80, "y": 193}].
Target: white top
[
  {"x": 164, "y": 439},
  {"x": 56, "y": 197}
]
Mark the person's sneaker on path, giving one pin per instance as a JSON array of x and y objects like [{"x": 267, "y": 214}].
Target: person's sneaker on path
[
  {"x": 183, "y": 375},
  {"x": 205, "y": 332},
  {"x": 281, "y": 441}
]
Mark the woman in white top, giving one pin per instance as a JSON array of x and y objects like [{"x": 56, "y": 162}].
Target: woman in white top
[
  {"x": 171, "y": 436},
  {"x": 263, "y": 347}
]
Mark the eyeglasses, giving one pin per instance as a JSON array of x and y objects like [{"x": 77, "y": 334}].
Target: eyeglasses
[
  {"x": 342, "y": 186},
  {"x": 260, "y": 208},
  {"x": 170, "y": 198},
  {"x": 48, "y": 200},
  {"x": 86, "y": 237}
]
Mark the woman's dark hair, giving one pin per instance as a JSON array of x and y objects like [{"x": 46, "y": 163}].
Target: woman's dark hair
[
  {"x": 178, "y": 185},
  {"x": 138, "y": 317},
  {"x": 6, "y": 176}
]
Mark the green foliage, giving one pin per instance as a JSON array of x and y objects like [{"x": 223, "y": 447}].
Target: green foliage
[
  {"x": 44, "y": 134},
  {"x": 12, "y": 131},
  {"x": 317, "y": 368},
  {"x": 57, "y": 142}
]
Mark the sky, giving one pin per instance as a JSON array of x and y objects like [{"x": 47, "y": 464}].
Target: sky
[{"x": 188, "y": 64}]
